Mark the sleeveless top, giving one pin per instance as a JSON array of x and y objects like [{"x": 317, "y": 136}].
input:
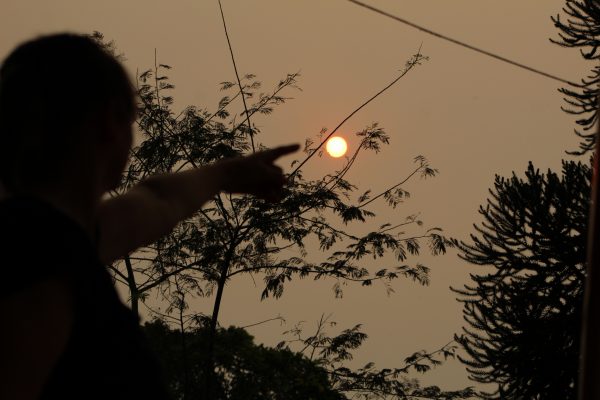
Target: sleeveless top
[{"x": 107, "y": 355}]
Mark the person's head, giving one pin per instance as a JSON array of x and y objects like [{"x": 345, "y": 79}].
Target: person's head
[{"x": 66, "y": 109}]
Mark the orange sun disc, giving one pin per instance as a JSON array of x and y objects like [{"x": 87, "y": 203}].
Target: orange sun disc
[{"x": 336, "y": 146}]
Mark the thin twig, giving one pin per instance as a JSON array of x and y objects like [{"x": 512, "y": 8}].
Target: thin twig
[
  {"x": 414, "y": 61},
  {"x": 277, "y": 318},
  {"x": 391, "y": 188},
  {"x": 238, "y": 77}
]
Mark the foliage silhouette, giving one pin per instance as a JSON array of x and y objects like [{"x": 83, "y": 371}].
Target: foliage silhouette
[
  {"x": 523, "y": 309},
  {"x": 368, "y": 382},
  {"x": 299, "y": 368},
  {"x": 580, "y": 30},
  {"x": 244, "y": 370}
]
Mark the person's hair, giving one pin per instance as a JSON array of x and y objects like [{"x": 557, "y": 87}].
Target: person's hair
[{"x": 49, "y": 88}]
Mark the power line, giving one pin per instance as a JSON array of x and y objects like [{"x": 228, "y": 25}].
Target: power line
[{"x": 463, "y": 44}]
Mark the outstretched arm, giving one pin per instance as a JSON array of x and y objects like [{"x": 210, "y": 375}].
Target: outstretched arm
[{"x": 152, "y": 208}]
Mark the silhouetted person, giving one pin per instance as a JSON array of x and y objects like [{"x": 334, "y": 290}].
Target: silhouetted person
[{"x": 66, "y": 114}]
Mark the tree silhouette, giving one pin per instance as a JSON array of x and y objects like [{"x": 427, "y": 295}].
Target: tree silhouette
[
  {"x": 582, "y": 30},
  {"x": 523, "y": 309},
  {"x": 311, "y": 367},
  {"x": 244, "y": 370},
  {"x": 235, "y": 235}
]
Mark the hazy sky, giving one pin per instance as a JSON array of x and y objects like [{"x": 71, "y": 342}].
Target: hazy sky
[{"x": 470, "y": 115}]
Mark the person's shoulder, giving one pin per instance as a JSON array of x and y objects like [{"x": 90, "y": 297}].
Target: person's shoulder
[
  {"x": 33, "y": 217},
  {"x": 15, "y": 221},
  {"x": 17, "y": 210},
  {"x": 9, "y": 206},
  {"x": 23, "y": 221},
  {"x": 39, "y": 321},
  {"x": 31, "y": 250}
]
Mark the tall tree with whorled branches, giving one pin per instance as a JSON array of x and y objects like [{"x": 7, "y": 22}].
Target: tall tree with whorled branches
[
  {"x": 523, "y": 308},
  {"x": 580, "y": 28}
]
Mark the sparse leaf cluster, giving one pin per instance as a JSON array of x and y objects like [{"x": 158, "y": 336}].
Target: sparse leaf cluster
[{"x": 368, "y": 382}]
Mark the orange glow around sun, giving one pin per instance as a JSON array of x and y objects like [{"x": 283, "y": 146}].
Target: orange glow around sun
[{"x": 336, "y": 147}]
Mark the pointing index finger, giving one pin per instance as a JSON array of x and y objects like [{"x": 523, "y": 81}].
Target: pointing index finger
[{"x": 280, "y": 151}]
